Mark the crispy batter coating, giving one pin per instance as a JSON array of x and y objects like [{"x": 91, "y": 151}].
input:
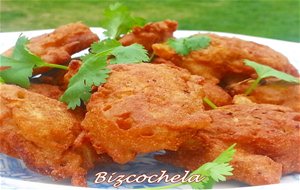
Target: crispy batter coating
[
  {"x": 41, "y": 132},
  {"x": 50, "y": 91},
  {"x": 271, "y": 92},
  {"x": 267, "y": 138},
  {"x": 144, "y": 108},
  {"x": 224, "y": 56},
  {"x": 58, "y": 46},
  {"x": 73, "y": 68},
  {"x": 216, "y": 94},
  {"x": 151, "y": 33}
]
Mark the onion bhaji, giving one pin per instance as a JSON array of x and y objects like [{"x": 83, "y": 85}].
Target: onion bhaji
[
  {"x": 271, "y": 91},
  {"x": 42, "y": 132},
  {"x": 144, "y": 108},
  {"x": 267, "y": 138},
  {"x": 58, "y": 46},
  {"x": 224, "y": 56},
  {"x": 151, "y": 33}
]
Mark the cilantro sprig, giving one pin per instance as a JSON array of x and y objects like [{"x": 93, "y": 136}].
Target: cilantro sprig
[
  {"x": 184, "y": 46},
  {"x": 94, "y": 71},
  {"x": 118, "y": 20},
  {"x": 264, "y": 71},
  {"x": 214, "y": 171},
  {"x": 19, "y": 67}
]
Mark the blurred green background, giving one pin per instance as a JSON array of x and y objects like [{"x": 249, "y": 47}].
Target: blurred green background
[{"x": 279, "y": 19}]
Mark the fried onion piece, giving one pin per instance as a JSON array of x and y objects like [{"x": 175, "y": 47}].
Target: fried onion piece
[
  {"x": 151, "y": 33},
  {"x": 58, "y": 46},
  {"x": 224, "y": 56},
  {"x": 144, "y": 108},
  {"x": 41, "y": 132},
  {"x": 267, "y": 138}
]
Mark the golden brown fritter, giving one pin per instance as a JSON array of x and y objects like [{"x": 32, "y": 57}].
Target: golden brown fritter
[
  {"x": 73, "y": 68},
  {"x": 151, "y": 33},
  {"x": 58, "y": 46},
  {"x": 144, "y": 108},
  {"x": 41, "y": 132},
  {"x": 224, "y": 56},
  {"x": 50, "y": 91},
  {"x": 216, "y": 94},
  {"x": 271, "y": 91},
  {"x": 267, "y": 138}
]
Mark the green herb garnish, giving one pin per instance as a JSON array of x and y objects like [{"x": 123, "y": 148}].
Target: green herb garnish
[
  {"x": 264, "y": 71},
  {"x": 118, "y": 20},
  {"x": 214, "y": 171},
  {"x": 21, "y": 64},
  {"x": 94, "y": 71},
  {"x": 2, "y": 81},
  {"x": 210, "y": 103},
  {"x": 184, "y": 46}
]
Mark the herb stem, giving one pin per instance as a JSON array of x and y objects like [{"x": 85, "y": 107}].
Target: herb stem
[
  {"x": 55, "y": 66},
  {"x": 252, "y": 87},
  {"x": 210, "y": 103},
  {"x": 151, "y": 57}
]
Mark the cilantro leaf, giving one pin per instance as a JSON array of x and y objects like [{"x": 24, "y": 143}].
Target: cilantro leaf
[
  {"x": 134, "y": 53},
  {"x": 20, "y": 66},
  {"x": 226, "y": 156},
  {"x": 264, "y": 71},
  {"x": 184, "y": 46},
  {"x": 94, "y": 71},
  {"x": 17, "y": 73},
  {"x": 197, "y": 42},
  {"x": 214, "y": 171},
  {"x": 105, "y": 45},
  {"x": 179, "y": 46},
  {"x": 118, "y": 21}
]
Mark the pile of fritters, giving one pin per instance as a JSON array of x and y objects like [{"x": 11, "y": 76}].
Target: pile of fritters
[{"x": 148, "y": 107}]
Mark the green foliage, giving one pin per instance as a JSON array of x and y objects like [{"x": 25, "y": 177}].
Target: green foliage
[
  {"x": 184, "y": 46},
  {"x": 129, "y": 54},
  {"x": 94, "y": 71},
  {"x": 264, "y": 71},
  {"x": 118, "y": 20},
  {"x": 19, "y": 67},
  {"x": 214, "y": 171}
]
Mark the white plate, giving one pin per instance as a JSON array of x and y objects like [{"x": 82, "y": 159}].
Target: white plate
[{"x": 15, "y": 175}]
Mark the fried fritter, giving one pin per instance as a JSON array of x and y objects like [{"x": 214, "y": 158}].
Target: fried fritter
[
  {"x": 144, "y": 108},
  {"x": 216, "y": 94},
  {"x": 50, "y": 91},
  {"x": 151, "y": 33},
  {"x": 271, "y": 91},
  {"x": 41, "y": 132},
  {"x": 224, "y": 56},
  {"x": 73, "y": 68},
  {"x": 267, "y": 138},
  {"x": 58, "y": 46}
]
